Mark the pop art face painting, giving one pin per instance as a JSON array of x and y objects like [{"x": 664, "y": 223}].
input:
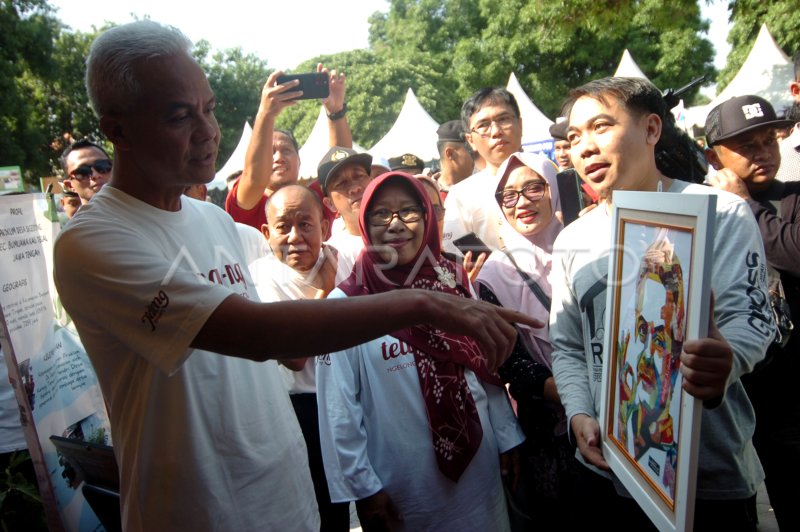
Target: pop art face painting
[{"x": 649, "y": 344}]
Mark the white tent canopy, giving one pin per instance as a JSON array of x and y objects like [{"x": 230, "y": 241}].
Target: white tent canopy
[
  {"x": 235, "y": 161},
  {"x": 317, "y": 145},
  {"x": 414, "y": 131},
  {"x": 628, "y": 68},
  {"x": 767, "y": 72},
  {"x": 535, "y": 125}
]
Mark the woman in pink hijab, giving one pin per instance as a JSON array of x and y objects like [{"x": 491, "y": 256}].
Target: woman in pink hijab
[{"x": 517, "y": 277}]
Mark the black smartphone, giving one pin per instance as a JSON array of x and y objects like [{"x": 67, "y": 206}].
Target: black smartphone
[
  {"x": 570, "y": 194},
  {"x": 314, "y": 84},
  {"x": 471, "y": 242}
]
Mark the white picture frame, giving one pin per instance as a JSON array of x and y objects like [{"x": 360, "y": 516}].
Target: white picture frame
[{"x": 658, "y": 297}]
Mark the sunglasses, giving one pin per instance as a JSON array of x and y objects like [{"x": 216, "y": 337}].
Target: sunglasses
[{"x": 84, "y": 171}]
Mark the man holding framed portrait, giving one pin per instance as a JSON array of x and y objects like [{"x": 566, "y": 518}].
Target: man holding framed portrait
[{"x": 614, "y": 127}]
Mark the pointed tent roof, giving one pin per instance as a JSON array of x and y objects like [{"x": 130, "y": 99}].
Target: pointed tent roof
[
  {"x": 535, "y": 125},
  {"x": 767, "y": 72},
  {"x": 414, "y": 131},
  {"x": 235, "y": 161},
  {"x": 628, "y": 68},
  {"x": 316, "y": 145}
]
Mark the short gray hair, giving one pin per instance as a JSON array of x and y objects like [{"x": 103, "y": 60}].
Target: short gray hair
[{"x": 111, "y": 81}]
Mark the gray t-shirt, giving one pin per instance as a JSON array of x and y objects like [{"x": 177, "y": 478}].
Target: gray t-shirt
[{"x": 728, "y": 466}]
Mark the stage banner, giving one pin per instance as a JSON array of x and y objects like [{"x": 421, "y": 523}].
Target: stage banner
[{"x": 53, "y": 379}]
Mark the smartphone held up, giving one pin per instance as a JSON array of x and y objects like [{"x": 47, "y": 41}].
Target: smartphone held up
[{"x": 314, "y": 84}]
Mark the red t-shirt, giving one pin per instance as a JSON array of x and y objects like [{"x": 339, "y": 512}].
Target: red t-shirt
[{"x": 255, "y": 217}]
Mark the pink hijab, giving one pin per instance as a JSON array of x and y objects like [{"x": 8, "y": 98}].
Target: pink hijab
[
  {"x": 440, "y": 357},
  {"x": 533, "y": 255}
]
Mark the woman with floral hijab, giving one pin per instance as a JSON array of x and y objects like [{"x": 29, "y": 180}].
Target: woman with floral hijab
[{"x": 412, "y": 424}]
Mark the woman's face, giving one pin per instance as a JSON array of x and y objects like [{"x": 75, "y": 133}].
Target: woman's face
[
  {"x": 528, "y": 216},
  {"x": 398, "y": 240}
]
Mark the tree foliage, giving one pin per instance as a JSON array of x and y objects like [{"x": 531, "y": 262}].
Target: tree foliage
[
  {"x": 236, "y": 79},
  {"x": 27, "y": 35},
  {"x": 550, "y": 46},
  {"x": 70, "y": 115},
  {"x": 782, "y": 19}
]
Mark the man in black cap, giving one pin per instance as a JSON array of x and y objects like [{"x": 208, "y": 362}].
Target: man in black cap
[
  {"x": 408, "y": 162},
  {"x": 744, "y": 150},
  {"x": 455, "y": 157},
  {"x": 561, "y": 145},
  {"x": 343, "y": 174}
]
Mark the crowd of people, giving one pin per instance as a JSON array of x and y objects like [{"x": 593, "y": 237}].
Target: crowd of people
[{"x": 306, "y": 348}]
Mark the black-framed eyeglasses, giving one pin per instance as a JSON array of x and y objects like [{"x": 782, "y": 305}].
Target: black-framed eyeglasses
[
  {"x": 84, "y": 171},
  {"x": 533, "y": 191},
  {"x": 385, "y": 216},
  {"x": 504, "y": 122}
]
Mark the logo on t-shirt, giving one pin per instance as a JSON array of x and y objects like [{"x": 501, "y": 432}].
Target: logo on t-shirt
[
  {"x": 156, "y": 309},
  {"x": 760, "y": 319}
]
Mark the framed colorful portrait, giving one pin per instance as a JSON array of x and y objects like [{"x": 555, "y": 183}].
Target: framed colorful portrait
[{"x": 658, "y": 298}]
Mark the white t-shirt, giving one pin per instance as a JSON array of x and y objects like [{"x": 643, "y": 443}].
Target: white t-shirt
[
  {"x": 276, "y": 281},
  {"x": 254, "y": 243},
  {"x": 471, "y": 208},
  {"x": 203, "y": 441},
  {"x": 348, "y": 246},
  {"x": 375, "y": 435}
]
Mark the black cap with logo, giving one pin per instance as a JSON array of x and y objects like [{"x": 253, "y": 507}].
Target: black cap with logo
[
  {"x": 738, "y": 115},
  {"x": 335, "y": 158}
]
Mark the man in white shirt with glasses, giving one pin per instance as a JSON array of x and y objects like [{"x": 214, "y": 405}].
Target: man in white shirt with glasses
[{"x": 493, "y": 128}]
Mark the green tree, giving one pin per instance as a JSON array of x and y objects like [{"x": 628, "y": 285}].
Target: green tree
[
  {"x": 555, "y": 46},
  {"x": 550, "y": 46},
  {"x": 782, "y": 19},
  {"x": 27, "y": 34},
  {"x": 429, "y": 26},
  {"x": 70, "y": 116},
  {"x": 236, "y": 79}
]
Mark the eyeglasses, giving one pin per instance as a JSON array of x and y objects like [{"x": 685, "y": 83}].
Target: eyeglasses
[
  {"x": 504, "y": 122},
  {"x": 84, "y": 171},
  {"x": 385, "y": 216},
  {"x": 533, "y": 191}
]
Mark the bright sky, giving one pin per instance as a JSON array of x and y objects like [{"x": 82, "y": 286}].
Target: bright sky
[{"x": 285, "y": 35}]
